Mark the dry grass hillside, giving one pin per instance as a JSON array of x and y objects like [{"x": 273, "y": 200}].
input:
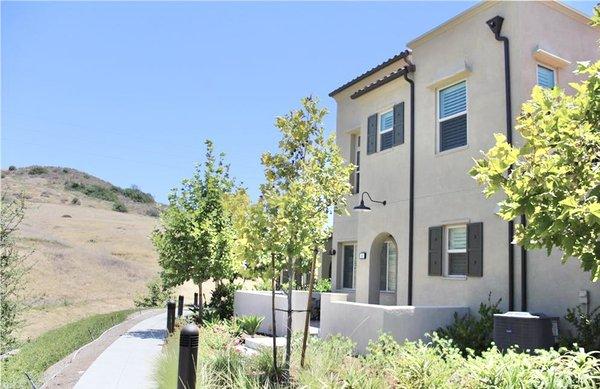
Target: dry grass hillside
[{"x": 87, "y": 257}]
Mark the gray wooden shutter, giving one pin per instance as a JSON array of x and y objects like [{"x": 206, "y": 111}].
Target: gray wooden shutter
[
  {"x": 435, "y": 251},
  {"x": 399, "y": 124},
  {"x": 372, "y": 134},
  {"x": 475, "y": 249}
]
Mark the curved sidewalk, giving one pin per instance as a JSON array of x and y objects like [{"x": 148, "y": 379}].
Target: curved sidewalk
[{"x": 129, "y": 362}]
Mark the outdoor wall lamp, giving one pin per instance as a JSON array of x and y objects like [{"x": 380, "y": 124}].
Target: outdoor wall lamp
[{"x": 362, "y": 207}]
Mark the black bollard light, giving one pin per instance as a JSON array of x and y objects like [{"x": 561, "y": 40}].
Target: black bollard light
[
  {"x": 195, "y": 299},
  {"x": 171, "y": 316},
  {"x": 180, "y": 307},
  {"x": 188, "y": 356}
]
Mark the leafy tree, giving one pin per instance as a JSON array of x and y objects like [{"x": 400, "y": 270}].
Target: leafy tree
[
  {"x": 156, "y": 295},
  {"x": 195, "y": 237},
  {"x": 555, "y": 176},
  {"x": 13, "y": 268},
  {"x": 261, "y": 242},
  {"x": 306, "y": 179},
  {"x": 237, "y": 203}
]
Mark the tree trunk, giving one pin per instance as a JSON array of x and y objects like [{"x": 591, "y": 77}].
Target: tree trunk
[
  {"x": 273, "y": 314},
  {"x": 200, "y": 304},
  {"x": 311, "y": 282},
  {"x": 288, "y": 334}
]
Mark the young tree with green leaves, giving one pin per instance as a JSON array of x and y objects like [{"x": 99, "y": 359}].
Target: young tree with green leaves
[
  {"x": 262, "y": 242},
  {"x": 13, "y": 268},
  {"x": 195, "y": 237},
  {"x": 306, "y": 179},
  {"x": 555, "y": 176}
]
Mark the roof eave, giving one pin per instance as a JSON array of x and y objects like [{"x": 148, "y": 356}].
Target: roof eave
[{"x": 398, "y": 57}]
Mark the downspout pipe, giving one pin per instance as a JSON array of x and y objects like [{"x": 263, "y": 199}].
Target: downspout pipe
[
  {"x": 411, "y": 191},
  {"x": 495, "y": 24}
]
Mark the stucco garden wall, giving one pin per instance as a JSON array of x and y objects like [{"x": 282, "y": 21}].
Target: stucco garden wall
[
  {"x": 253, "y": 302},
  {"x": 364, "y": 322}
]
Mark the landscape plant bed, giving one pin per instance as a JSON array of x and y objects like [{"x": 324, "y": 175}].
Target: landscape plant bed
[
  {"x": 35, "y": 356},
  {"x": 331, "y": 363}
]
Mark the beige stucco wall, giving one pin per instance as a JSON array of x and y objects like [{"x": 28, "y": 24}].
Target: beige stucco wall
[
  {"x": 444, "y": 192},
  {"x": 365, "y": 322},
  {"x": 258, "y": 303}
]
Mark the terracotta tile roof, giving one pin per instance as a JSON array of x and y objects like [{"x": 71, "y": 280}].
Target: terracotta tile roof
[
  {"x": 384, "y": 80},
  {"x": 372, "y": 71}
]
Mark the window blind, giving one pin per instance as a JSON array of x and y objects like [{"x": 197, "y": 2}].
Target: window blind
[{"x": 545, "y": 77}]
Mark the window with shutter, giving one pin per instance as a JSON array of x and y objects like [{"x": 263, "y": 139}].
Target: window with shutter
[
  {"x": 456, "y": 250},
  {"x": 546, "y": 77},
  {"x": 452, "y": 116},
  {"x": 386, "y": 129}
]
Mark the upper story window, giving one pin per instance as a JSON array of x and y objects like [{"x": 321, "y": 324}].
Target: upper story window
[
  {"x": 385, "y": 130},
  {"x": 456, "y": 250},
  {"x": 355, "y": 159},
  {"x": 386, "y": 127},
  {"x": 452, "y": 116},
  {"x": 546, "y": 77}
]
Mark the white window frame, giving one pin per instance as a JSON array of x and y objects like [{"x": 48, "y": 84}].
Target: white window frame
[
  {"x": 554, "y": 72},
  {"x": 357, "y": 164},
  {"x": 387, "y": 267},
  {"x": 448, "y": 251},
  {"x": 389, "y": 110},
  {"x": 439, "y": 121},
  {"x": 344, "y": 245}
]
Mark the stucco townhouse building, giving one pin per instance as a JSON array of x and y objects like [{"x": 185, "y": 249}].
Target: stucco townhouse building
[
  {"x": 421, "y": 242},
  {"x": 412, "y": 126}
]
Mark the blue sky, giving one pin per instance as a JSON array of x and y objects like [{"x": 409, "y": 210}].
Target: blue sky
[{"x": 128, "y": 91}]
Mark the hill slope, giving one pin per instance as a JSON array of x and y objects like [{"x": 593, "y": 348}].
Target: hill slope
[{"x": 87, "y": 258}]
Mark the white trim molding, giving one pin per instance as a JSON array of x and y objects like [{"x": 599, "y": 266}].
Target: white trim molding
[{"x": 545, "y": 57}]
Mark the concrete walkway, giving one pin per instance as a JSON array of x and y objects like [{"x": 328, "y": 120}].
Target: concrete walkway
[{"x": 130, "y": 361}]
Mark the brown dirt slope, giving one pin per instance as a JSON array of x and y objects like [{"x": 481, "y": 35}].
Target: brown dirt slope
[{"x": 86, "y": 257}]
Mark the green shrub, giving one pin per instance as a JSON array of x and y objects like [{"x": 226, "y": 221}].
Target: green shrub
[
  {"x": 93, "y": 190},
  {"x": 221, "y": 299},
  {"x": 12, "y": 168},
  {"x": 323, "y": 285},
  {"x": 152, "y": 212},
  {"x": 135, "y": 194},
  {"x": 468, "y": 332},
  {"x": 75, "y": 201},
  {"x": 262, "y": 284},
  {"x": 330, "y": 364},
  {"x": 587, "y": 329},
  {"x": 37, "y": 170},
  {"x": 249, "y": 324},
  {"x": 157, "y": 295},
  {"x": 65, "y": 170},
  {"x": 119, "y": 207},
  {"x": 39, "y": 354}
]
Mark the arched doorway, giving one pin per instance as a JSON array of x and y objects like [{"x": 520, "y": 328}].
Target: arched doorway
[{"x": 383, "y": 270}]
